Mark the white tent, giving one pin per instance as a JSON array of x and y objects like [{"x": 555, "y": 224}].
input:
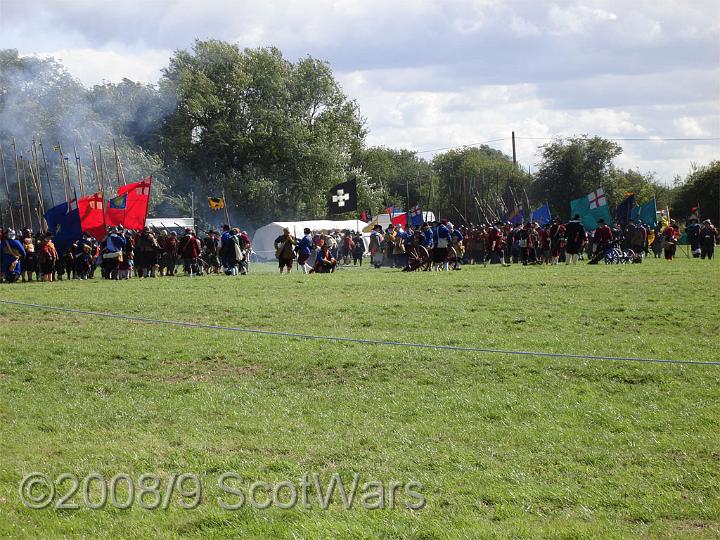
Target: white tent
[
  {"x": 384, "y": 220},
  {"x": 170, "y": 223},
  {"x": 264, "y": 239}
]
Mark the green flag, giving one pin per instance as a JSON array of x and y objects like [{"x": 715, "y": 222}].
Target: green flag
[
  {"x": 647, "y": 212},
  {"x": 591, "y": 208}
]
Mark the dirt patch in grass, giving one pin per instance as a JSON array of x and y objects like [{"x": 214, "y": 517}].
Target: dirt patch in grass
[
  {"x": 696, "y": 526},
  {"x": 209, "y": 373}
]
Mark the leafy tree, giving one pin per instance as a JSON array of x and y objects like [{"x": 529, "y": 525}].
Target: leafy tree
[
  {"x": 392, "y": 174},
  {"x": 41, "y": 101},
  {"x": 478, "y": 184},
  {"x": 571, "y": 168},
  {"x": 701, "y": 187},
  {"x": 134, "y": 110},
  {"x": 644, "y": 186},
  {"x": 275, "y": 135}
]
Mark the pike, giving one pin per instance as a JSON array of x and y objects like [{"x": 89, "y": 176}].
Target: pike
[
  {"x": 40, "y": 219},
  {"x": 7, "y": 188},
  {"x": 36, "y": 173},
  {"x": 62, "y": 171},
  {"x": 27, "y": 193},
  {"x": 103, "y": 171},
  {"x": 64, "y": 175},
  {"x": 514, "y": 196},
  {"x": 47, "y": 173},
  {"x": 118, "y": 165},
  {"x": 474, "y": 194},
  {"x": 17, "y": 176},
  {"x": 527, "y": 200},
  {"x": 458, "y": 213},
  {"x": 38, "y": 190},
  {"x": 486, "y": 210},
  {"x": 71, "y": 185},
  {"x": 225, "y": 205},
  {"x": 78, "y": 167},
  {"x": 95, "y": 167}
]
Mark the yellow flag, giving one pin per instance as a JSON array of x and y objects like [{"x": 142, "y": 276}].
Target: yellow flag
[{"x": 216, "y": 203}]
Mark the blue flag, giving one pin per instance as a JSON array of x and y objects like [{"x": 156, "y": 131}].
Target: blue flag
[
  {"x": 119, "y": 202},
  {"x": 624, "y": 209},
  {"x": 64, "y": 225},
  {"x": 542, "y": 215},
  {"x": 516, "y": 216},
  {"x": 591, "y": 209},
  {"x": 416, "y": 216},
  {"x": 647, "y": 212}
]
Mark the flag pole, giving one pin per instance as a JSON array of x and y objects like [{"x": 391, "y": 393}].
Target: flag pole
[
  {"x": 225, "y": 205},
  {"x": 117, "y": 163},
  {"x": 407, "y": 210},
  {"x": 71, "y": 184},
  {"x": 7, "y": 188},
  {"x": 103, "y": 172}
]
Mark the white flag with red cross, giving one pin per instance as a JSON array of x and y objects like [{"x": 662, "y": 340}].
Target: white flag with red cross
[{"x": 597, "y": 198}]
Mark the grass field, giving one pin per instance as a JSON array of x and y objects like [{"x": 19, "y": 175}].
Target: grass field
[{"x": 504, "y": 446}]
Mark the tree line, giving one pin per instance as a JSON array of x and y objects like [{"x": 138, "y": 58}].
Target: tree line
[{"x": 275, "y": 135}]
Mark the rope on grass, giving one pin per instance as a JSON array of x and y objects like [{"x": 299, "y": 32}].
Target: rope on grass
[{"x": 353, "y": 340}]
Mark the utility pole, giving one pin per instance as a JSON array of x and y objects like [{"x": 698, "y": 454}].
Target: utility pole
[{"x": 514, "y": 155}]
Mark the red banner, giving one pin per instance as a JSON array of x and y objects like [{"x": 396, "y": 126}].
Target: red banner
[
  {"x": 92, "y": 215},
  {"x": 399, "y": 219},
  {"x": 138, "y": 200},
  {"x": 130, "y": 207}
]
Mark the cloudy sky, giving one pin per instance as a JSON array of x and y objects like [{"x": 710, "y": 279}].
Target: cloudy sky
[{"x": 431, "y": 74}]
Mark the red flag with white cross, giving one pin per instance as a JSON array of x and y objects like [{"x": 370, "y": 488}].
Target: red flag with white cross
[{"x": 137, "y": 203}]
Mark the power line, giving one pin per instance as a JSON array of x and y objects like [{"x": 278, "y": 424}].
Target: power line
[
  {"x": 355, "y": 340},
  {"x": 619, "y": 139},
  {"x": 462, "y": 146},
  {"x": 645, "y": 139}
]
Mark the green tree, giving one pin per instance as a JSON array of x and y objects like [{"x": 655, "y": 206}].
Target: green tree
[
  {"x": 478, "y": 184},
  {"x": 275, "y": 135},
  {"x": 571, "y": 168},
  {"x": 643, "y": 185},
  {"x": 393, "y": 174},
  {"x": 41, "y": 101},
  {"x": 700, "y": 188}
]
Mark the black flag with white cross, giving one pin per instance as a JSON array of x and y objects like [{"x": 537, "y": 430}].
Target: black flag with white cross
[{"x": 343, "y": 198}]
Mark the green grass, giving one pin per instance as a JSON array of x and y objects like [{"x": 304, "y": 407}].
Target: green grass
[{"x": 504, "y": 446}]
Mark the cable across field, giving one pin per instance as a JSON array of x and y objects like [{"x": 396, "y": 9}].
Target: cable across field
[{"x": 355, "y": 340}]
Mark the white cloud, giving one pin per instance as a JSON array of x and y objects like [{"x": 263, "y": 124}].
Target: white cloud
[
  {"x": 94, "y": 66},
  {"x": 690, "y": 127},
  {"x": 577, "y": 19},
  {"x": 437, "y": 73},
  {"x": 523, "y": 27}
]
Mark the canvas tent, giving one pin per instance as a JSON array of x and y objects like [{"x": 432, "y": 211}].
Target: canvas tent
[
  {"x": 384, "y": 220},
  {"x": 170, "y": 223},
  {"x": 264, "y": 239}
]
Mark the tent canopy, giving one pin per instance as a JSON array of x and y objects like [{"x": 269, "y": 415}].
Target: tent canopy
[
  {"x": 170, "y": 223},
  {"x": 264, "y": 239},
  {"x": 385, "y": 219}
]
